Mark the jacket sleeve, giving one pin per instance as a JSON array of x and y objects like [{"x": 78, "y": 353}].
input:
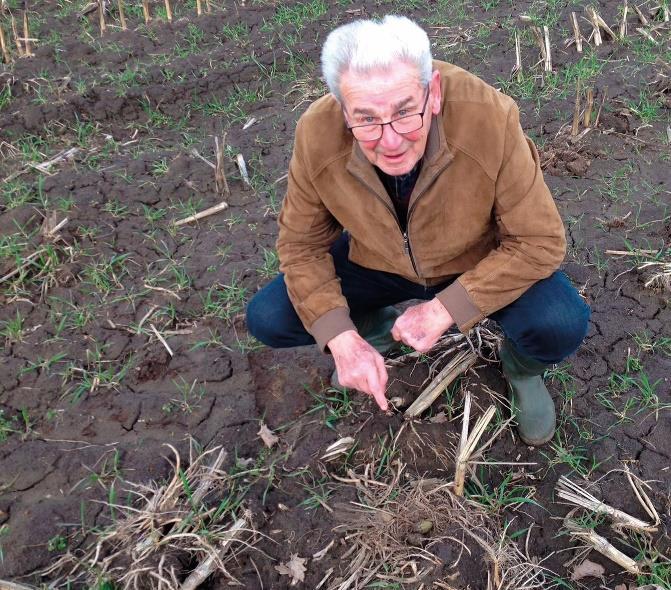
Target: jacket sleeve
[
  {"x": 531, "y": 239},
  {"x": 306, "y": 232}
]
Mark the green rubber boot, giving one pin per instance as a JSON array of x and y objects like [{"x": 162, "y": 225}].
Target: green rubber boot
[
  {"x": 375, "y": 328},
  {"x": 533, "y": 407}
]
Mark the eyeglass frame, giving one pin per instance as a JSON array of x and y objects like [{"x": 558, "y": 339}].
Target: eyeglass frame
[{"x": 390, "y": 122}]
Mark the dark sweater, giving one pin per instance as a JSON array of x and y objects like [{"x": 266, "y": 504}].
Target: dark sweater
[{"x": 399, "y": 189}]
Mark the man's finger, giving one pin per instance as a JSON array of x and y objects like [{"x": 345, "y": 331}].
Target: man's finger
[
  {"x": 381, "y": 401},
  {"x": 381, "y": 380}
]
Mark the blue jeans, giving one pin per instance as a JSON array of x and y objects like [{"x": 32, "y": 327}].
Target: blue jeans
[{"x": 547, "y": 322}]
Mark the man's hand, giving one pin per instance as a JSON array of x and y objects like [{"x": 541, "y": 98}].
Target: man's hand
[
  {"x": 421, "y": 325},
  {"x": 359, "y": 365}
]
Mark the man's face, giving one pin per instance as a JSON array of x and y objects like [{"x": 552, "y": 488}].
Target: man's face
[{"x": 385, "y": 95}]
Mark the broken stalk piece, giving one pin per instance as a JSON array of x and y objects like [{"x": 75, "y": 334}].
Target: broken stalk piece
[
  {"x": 588, "y": 108},
  {"x": 6, "y": 57},
  {"x": 575, "y": 127},
  {"x": 17, "y": 39},
  {"x": 576, "y": 32},
  {"x": 145, "y": 12},
  {"x": 459, "y": 364},
  {"x": 206, "y": 213},
  {"x": 468, "y": 443},
  {"x": 101, "y": 17},
  {"x": 602, "y": 545},
  {"x": 219, "y": 174},
  {"x": 595, "y": 26},
  {"x": 518, "y": 58},
  {"x": 26, "y": 34},
  {"x": 572, "y": 492},
  {"x": 240, "y": 160},
  {"x": 122, "y": 16}
]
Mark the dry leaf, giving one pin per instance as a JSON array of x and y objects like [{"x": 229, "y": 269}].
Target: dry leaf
[
  {"x": 587, "y": 568},
  {"x": 620, "y": 587},
  {"x": 294, "y": 567},
  {"x": 439, "y": 418},
  {"x": 267, "y": 436}
]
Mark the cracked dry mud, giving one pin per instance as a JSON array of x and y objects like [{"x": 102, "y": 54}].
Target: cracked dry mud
[{"x": 136, "y": 103}]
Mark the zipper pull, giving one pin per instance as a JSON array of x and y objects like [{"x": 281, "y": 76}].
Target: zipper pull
[{"x": 406, "y": 243}]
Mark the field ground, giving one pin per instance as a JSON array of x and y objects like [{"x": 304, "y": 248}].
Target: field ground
[{"x": 89, "y": 395}]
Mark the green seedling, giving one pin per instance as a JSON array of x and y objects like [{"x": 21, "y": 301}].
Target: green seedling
[
  {"x": 384, "y": 455},
  {"x": 32, "y": 148},
  {"x": 39, "y": 269},
  {"x": 189, "y": 396},
  {"x": 13, "y": 329},
  {"x": 300, "y": 14},
  {"x": 336, "y": 403},
  {"x": 96, "y": 373},
  {"x": 16, "y": 192},
  {"x": 238, "y": 33},
  {"x": 5, "y": 96},
  {"x": 622, "y": 414},
  {"x": 160, "y": 167},
  {"x": 152, "y": 214},
  {"x": 214, "y": 341},
  {"x": 191, "y": 207},
  {"x": 57, "y": 543},
  {"x": 84, "y": 131},
  {"x": 43, "y": 365},
  {"x": 115, "y": 208},
  {"x": 27, "y": 423},
  {"x": 110, "y": 470},
  {"x": 271, "y": 264},
  {"x": 247, "y": 344},
  {"x": 6, "y": 426},
  {"x": 4, "y": 532},
  {"x": 507, "y": 494},
  {"x": 13, "y": 245},
  {"x": 107, "y": 276},
  {"x": 66, "y": 315},
  {"x": 647, "y": 108},
  {"x": 225, "y": 301},
  {"x": 318, "y": 493},
  {"x": 647, "y": 343},
  {"x": 155, "y": 118},
  {"x": 574, "y": 456}
]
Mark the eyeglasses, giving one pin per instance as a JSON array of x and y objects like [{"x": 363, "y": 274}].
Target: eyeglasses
[{"x": 402, "y": 125}]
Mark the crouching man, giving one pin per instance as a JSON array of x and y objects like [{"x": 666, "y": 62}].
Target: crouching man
[{"x": 413, "y": 179}]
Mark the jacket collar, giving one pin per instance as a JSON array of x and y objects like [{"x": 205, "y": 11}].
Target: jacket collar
[{"x": 437, "y": 156}]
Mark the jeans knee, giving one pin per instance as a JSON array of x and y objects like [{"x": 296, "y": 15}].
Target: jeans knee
[
  {"x": 560, "y": 333},
  {"x": 254, "y": 318},
  {"x": 274, "y": 322}
]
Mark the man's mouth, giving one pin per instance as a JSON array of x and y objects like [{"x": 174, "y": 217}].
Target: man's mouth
[{"x": 394, "y": 156}]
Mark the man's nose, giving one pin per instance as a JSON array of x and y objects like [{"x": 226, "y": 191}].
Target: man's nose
[{"x": 390, "y": 139}]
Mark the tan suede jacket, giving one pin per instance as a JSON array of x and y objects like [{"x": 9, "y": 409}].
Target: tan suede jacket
[{"x": 480, "y": 210}]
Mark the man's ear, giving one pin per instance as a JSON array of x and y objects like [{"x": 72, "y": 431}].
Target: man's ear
[{"x": 436, "y": 93}]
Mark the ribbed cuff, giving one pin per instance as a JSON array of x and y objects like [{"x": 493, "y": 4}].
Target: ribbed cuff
[
  {"x": 460, "y": 305},
  {"x": 331, "y": 324}
]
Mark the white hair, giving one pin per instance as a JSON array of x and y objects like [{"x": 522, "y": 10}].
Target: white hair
[{"x": 366, "y": 45}]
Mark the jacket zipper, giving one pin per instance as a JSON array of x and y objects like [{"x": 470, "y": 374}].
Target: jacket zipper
[
  {"x": 406, "y": 243},
  {"x": 406, "y": 239}
]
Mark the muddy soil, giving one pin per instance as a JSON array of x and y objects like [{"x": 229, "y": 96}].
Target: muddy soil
[{"x": 89, "y": 394}]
